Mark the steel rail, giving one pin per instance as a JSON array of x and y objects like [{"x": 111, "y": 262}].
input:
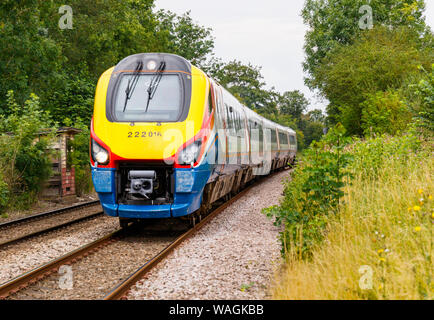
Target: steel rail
[
  {"x": 48, "y": 213},
  {"x": 18, "y": 283},
  {"x": 119, "y": 292},
  {"x": 49, "y": 229},
  {"x": 14, "y": 285}
]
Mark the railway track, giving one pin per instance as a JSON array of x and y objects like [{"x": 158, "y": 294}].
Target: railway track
[
  {"x": 41, "y": 282},
  {"x": 21, "y": 229}
]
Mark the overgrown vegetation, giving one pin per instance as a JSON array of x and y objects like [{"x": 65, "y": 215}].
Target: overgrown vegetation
[
  {"x": 24, "y": 159},
  {"x": 379, "y": 242},
  {"x": 312, "y": 195},
  {"x": 367, "y": 235}
]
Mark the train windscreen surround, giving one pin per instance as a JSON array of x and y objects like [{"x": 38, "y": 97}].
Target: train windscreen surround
[
  {"x": 166, "y": 78},
  {"x": 165, "y": 105}
]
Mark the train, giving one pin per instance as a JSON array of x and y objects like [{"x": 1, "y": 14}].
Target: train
[{"x": 168, "y": 141}]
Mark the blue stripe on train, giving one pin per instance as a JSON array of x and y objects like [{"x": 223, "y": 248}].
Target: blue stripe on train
[{"x": 189, "y": 185}]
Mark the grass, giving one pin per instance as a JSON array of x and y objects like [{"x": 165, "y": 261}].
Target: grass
[{"x": 379, "y": 246}]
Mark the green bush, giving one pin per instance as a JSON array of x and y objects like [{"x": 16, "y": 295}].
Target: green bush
[
  {"x": 312, "y": 194},
  {"x": 384, "y": 112},
  {"x": 79, "y": 157},
  {"x": 316, "y": 189},
  {"x": 24, "y": 158},
  {"x": 371, "y": 155},
  {"x": 4, "y": 194},
  {"x": 424, "y": 92}
]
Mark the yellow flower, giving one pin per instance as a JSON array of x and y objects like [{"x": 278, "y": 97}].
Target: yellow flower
[
  {"x": 380, "y": 287},
  {"x": 416, "y": 208},
  {"x": 380, "y": 251},
  {"x": 382, "y": 260},
  {"x": 420, "y": 191},
  {"x": 417, "y": 229},
  {"x": 409, "y": 209},
  {"x": 430, "y": 197},
  {"x": 432, "y": 216}
]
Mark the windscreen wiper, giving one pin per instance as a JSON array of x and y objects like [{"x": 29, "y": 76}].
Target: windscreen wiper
[
  {"x": 132, "y": 83},
  {"x": 154, "y": 83}
]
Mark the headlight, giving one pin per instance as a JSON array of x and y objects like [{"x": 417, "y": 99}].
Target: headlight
[
  {"x": 190, "y": 154},
  {"x": 99, "y": 154}
]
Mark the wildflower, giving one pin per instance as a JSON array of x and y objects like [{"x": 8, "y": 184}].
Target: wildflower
[
  {"x": 382, "y": 260},
  {"x": 409, "y": 209},
  {"x": 420, "y": 191},
  {"x": 432, "y": 216},
  {"x": 380, "y": 287},
  {"x": 376, "y": 232},
  {"x": 386, "y": 251},
  {"x": 416, "y": 208},
  {"x": 417, "y": 229},
  {"x": 380, "y": 251},
  {"x": 430, "y": 197},
  {"x": 421, "y": 200}
]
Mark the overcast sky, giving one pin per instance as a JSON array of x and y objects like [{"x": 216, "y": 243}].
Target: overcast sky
[{"x": 269, "y": 34}]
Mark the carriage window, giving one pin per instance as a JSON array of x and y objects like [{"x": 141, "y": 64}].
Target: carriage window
[
  {"x": 292, "y": 140},
  {"x": 210, "y": 104},
  {"x": 273, "y": 136},
  {"x": 283, "y": 138}
]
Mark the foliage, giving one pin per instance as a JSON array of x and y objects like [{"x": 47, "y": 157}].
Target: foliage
[
  {"x": 313, "y": 194},
  {"x": 24, "y": 159},
  {"x": 372, "y": 155},
  {"x": 380, "y": 60},
  {"x": 78, "y": 156},
  {"x": 62, "y": 66},
  {"x": 384, "y": 112},
  {"x": 74, "y": 99},
  {"x": 380, "y": 245},
  {"x": 186, "y": 38},
  {"x": 293, "y": 103},
  {"x": 4, "y": 193},
  {"x": 335, "y": 23},
  {"x": 245, "y": 82},
  {"x": 29, "y": 61},
  {"x": 312, "y": 129},
  {"x": 424, "y": 107}
]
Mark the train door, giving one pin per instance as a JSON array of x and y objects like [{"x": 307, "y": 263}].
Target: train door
[
  {"x": 245, "y": 150},
  {"x": 221, "y": 127}
]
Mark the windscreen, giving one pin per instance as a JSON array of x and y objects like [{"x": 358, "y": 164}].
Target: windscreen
[{"x": 165, "y": 105}]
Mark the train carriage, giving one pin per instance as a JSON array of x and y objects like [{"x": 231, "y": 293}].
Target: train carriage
[{"x": 167, "y": 140}]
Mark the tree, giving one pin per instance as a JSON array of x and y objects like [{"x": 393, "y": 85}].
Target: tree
[
  {"x": 30, "y": 61},
  {"x": 185, "y": 37},
  {"x": 293, "y": 103},
  {"x": 24, "y": 161},
  {"x": 380, "y": 60},
  {"x": 316, "y": 115},
  {"x": 333, "y": 23},
  {"x": 246, "y": 83},
  {"x": 384, "y": 112}
]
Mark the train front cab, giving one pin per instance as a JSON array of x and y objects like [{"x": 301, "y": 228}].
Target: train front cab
[{"x": 141, "y": 178}]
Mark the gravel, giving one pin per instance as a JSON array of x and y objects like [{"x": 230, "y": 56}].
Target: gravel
[
  {"x": 28, "y": 227},
  {"x": 232, "y": 257},
  {"x": 97, "y": 274},
  {"x": 27, "y": 255},
  {"x": 43, "y": 206}
]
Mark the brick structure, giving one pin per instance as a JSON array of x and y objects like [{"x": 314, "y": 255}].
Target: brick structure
[{"x": 62, "y": 182}]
